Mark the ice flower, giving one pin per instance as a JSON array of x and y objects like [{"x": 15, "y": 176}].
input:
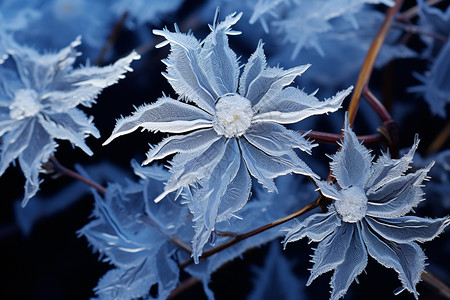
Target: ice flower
[
  {"x": 39, "y": 95},
  {"x": 368, "y": 217},
  {"x": 233, "y": 123}
]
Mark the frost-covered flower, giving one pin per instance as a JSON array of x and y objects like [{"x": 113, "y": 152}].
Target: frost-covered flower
[
  {"x": 134, "y": 234},
  {"x": 234, "y": 125},
  {"x": 368, "y": 217},
  {"x": 39, "y": 94}
]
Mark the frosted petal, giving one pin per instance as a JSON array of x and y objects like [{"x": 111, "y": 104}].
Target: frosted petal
[
  {"x": 218, "y": 61},
  {"x": 408, "y": 229},
  {"x": 14, "y": 142},
  {"x": 183, "y": 69},
  {"x": 269, "y": 83},
  {"x": 397, "y": 197},
  {"x": 355, "y": 262},
  {"x": 276, "y": 138},
  {"x": 316, "y": 227},
  {"x": 72, "y": 125},
  {"x": 165, "y": 115},
  {"x": 406, "y": 259},
  {"x": 182, "y": 144},
  {"x": 292, "y": 105},
  {"x": 351, "y": 165},
  {"x": 255, "y": 65},
  {"x": 331, "y": 252},
  {"x": 266, "y": 167}
]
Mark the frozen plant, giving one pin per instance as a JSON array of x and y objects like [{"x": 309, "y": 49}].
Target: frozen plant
[
  {"x": 368, "y": 216},
  {"x": 39, "y": 95},
  {"x": 235, "y": 124}
]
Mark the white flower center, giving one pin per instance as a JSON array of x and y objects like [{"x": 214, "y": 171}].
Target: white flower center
[
  {"x": 233, "y": 115},
  {"x": 353, "y": 206},
  {"x": 26, "y": 104}
]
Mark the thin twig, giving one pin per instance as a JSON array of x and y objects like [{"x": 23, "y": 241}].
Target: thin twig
[
  {"x": 369, "y": 61},
  {"x": 414, "y": 29},
  {"x": 332, "y": 138},
  {"x": 111, "y": 39},
  {"x": 240, "y": 237},
  {"x": 433, "y": 281},
  {"x": 440, "y": 140},
  {"x": 407, "y": 15},
  {"x": 185, "y": 285},
  {"x": 65, "y": 171}
]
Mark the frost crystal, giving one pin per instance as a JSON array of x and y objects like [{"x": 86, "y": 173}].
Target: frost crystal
[
  {"x": 368, "y": 218},
  {"x": 39, "y": 95},
  {"x": 233, "y": 124}
]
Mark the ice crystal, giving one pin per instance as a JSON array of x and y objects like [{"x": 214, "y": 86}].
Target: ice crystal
[
  {"x": 367, "y": 217},
  {"x": 39, "y": 98},
  {"x": 234, "y": 124}
]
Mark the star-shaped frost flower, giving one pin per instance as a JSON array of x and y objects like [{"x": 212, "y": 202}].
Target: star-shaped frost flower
[
  {"x": 233, "y": 123},
  {"x": 368, "y": 217},
  {"x": 39, "y": 94}
]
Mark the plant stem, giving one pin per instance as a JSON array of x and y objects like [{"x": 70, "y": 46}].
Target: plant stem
[
  {"x": 433, "y": 281},
  {"x": 369, "y": 61},
  {"x": 65, "y": 171},
  {"x": 414, "y": 29},
  {"x": 440, "y": 140},
  {"x": 332, "y": 138},
  {"x": 407, "y": 15},
  {"x": 185, "y": 285},
  {"x": 243, "y": 236},
  {"x": 111, "y": 39}
]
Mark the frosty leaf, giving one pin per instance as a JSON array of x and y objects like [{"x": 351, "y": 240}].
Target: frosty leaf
[
  {"x": 293, "y": 105},
  {"x": 351, "y": 165},
  {"x": 166, "y": 115},
  {"x": 255, "y": 65},
  {"x": 218, "y": 61}
]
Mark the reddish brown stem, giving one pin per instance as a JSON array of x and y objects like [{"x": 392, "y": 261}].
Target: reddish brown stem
[
  {"x": 413, "y": 29},
  {"x": 407, "y": 15},
  {"x": 440, "y": 140},
  {"x": 185, "y": 285},
  {"x": 369, "y": 61},
  {"x": 332, "y": 138},
  {"x": 240, "y": 237},
  {"x": 65, "y": 171},
  {"x": 437, "y": 284}
]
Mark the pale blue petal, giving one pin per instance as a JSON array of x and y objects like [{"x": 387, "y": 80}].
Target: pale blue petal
[
  {"x": 292, "y": 105},
  {"x": 72, "y": 125},
  {"x": 354, "y": 263},
  {"x": 332, "y": 251},
  {"x": 265, "y": 167},
  {"x": 218, "y": 61},
  {"x": 399, "y": 196},
  {"x": 165, "y": 115},
  {"x": 316, "y": 227},
  {"x": 208, "y": 198},
  {"x": 189, "y": 168},
  {"x": 328, "y": 189},
  {"x": 351, "y": 165},
  {"x": 255, "y": 65},
  {"x": 408, "y": 229},
  {"x": 406, "y": 259},
  {"x": 269, "y": 83},
  {"x": 182, "y": 144},
  {"x": 183, "y": 69},
  {"x": 39, "y": 149},
  {"x": 276, "y": 138},
  {"x": 14, "y": 142},
  {"x": 386, "y": 169}
]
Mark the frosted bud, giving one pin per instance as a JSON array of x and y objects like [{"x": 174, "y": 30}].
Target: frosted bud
[
  {"x": 353, "y": 205},
  {"x": 233, "y": 115}
]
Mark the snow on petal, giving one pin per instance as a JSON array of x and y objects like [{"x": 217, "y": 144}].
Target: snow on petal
[
  {"x": 255, "y": 65},
  {"x": 165, "y": 115}
]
